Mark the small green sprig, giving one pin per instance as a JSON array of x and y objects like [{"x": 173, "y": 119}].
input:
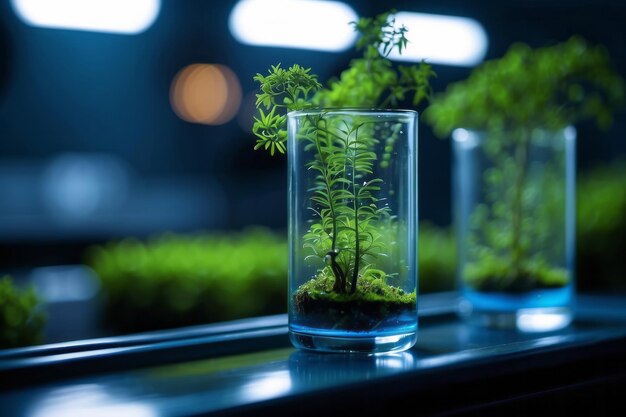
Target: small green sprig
[
  {"x": 282, "y": 90},
  {"x": 370, "y": 82},
  {"x": 379, "y": 35}
]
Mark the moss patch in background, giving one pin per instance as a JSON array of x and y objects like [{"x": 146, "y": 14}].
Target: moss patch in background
[
  {"x": 178, "y": 280},
  {"x": 21, "y": 318},
  {"x": 601, "y": 228},
  {"x": 437, "y": 258},
  {"x": 494, "y": 274}
]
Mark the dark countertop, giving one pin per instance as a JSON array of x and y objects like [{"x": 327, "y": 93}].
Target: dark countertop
[{"x": 249, "y": 367}]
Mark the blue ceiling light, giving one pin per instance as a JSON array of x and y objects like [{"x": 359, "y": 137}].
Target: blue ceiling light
[
  {"x": 300, "y": 24},
  {"x": 441, "y": 39},
  {"x": 114, "y": 16}
]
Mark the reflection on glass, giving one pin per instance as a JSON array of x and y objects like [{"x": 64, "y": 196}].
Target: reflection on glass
[
  {"x": 542, "y": 320},
  {"x": 311, "y": 369},
  {"x": 269, "y": 385},
  {"x": 92, "y": 400}
]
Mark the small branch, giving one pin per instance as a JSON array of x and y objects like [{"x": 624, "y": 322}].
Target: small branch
[
  {"x": 521, "y": 160},
  {"x": 355, "y": 205},
  {"x": 340, "y": 277}
]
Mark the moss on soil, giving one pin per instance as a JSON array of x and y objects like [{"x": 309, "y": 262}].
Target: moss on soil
[
  {"x": 497, "y": 276},
  {"x": 372, "y": 303}
]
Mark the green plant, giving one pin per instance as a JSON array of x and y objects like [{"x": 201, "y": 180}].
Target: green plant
[
  {"x": 601, "y": 227},
  {"x": 549, "y": 87},
  {"x": 177, "y": 280},
  {"x": 369, "y": 82},
  {"x": 349, "y": 231},
  {"x": 515, "y": 99},
  {"x": 437, "y": 258},
  {"x": 344, "y": 201},
  {"x": 21, "y": 318}
]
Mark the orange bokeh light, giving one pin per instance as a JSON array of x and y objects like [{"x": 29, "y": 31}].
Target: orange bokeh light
[{"x": 205, "y": 93}]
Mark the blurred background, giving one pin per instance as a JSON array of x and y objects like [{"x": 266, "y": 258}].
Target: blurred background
[{"x": 127, "y": 168}]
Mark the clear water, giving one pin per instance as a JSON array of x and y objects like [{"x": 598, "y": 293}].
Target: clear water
[
  {"x": 508, "y": 302},
  {"x": 318, "y": 325}
]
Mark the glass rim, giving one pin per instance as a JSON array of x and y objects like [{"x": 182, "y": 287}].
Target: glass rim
[
  {"x": 462, "y": 135},
  {"x": 352, "y": 110}
]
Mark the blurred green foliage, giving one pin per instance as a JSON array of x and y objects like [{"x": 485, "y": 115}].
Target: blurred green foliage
[
  {"x": 437, "y": 258},
  {"x": 549, "y": 87},
  {"x": 178, "y": 280},
  {"x": 601, "y": 228},
  {"x": 21, "y": 318},
  {"x": 514, "y": 100}
]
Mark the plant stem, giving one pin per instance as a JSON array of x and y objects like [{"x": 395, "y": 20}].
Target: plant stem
[
  {"x": 521, "y": 161},
  {"x": 340, "y": 277},
  {"x": 355, "y": 205}
]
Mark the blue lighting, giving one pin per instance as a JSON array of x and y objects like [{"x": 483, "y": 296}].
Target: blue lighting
[
  {"x": 441, "y": 39},
  {"x": 300, "y": 24},
  {"x": 114, "y": 16}
]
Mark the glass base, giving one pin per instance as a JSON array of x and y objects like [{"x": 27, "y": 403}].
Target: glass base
[
  {"x": 527, "y": 320},
  {"x": 343, "y": 344}
]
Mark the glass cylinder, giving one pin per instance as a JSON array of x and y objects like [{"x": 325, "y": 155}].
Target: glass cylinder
[
  {"x": 352, "y": 230},
  {"x": 514, "y": 213}
]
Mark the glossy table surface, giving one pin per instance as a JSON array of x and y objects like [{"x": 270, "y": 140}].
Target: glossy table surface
[{"x": 249, "y": 366}]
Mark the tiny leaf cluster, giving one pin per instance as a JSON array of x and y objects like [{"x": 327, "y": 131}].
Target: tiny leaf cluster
[{"x": 281, "y": 90}]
